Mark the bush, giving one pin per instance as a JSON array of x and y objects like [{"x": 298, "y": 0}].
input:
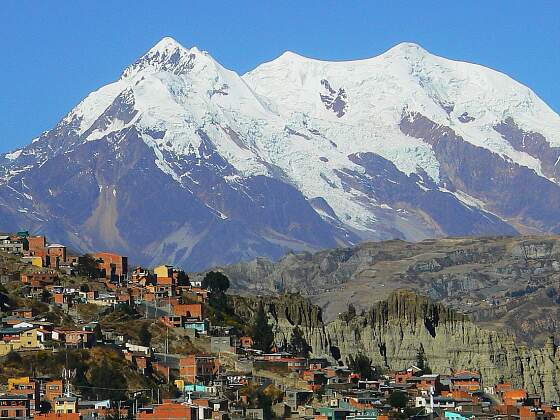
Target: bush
[{"x": 13, "y": 359}]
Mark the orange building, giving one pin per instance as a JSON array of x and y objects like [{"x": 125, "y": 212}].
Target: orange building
[
  {"x": 403, "y": 376},
  {"x": 36, "y": 244},
  {"x": 112, "y": 266},
  {"x": 26, "y": 387},
  {"x": 56, "y": 254},
  {"x": 466, "y": 380},
  {"x": 54, "y": 389},
  {"x": 530, "y": 413},
  {"x": 36, "y": 278},
  {"x": 169, "y": 411},
  {"x": 193, "y": 310},
  {"x": 513, "y": 396},
  {"x": 195, "y": 368}
]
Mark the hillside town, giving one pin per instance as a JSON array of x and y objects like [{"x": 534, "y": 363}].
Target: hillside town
[{"x": 90, "y": 337}]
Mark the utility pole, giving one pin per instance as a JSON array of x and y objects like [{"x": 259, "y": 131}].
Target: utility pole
[
  {"x": 431, "y": 403},
  {"x": 166, "y": 342}
]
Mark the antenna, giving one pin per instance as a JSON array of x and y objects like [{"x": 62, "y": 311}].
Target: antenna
[{"x": 68, "y": 375}]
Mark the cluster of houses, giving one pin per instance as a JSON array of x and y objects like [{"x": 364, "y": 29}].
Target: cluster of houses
[
  {"x": 24, "y": 330},
  {"x": 45, "y": 398},
  {"x": 213, "y": 385},
  {"x": 210, "y": 391},
  {"x": 38, "y": 252}
]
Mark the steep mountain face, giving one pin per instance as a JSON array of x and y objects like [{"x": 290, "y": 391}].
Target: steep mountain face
[
  {"x": 393, "y": 332},
  {"x": 184, "y": 161}
]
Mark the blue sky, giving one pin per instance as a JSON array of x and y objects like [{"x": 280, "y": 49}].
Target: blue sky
[{"x": 55, "y": 52}]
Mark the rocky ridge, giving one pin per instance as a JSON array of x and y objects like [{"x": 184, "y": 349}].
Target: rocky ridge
[
  {"x": 510, "y": 284},
  {"x": 394, "y": 331}
]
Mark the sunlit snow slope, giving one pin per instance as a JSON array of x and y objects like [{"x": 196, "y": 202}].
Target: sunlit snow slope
[{"x": 183, "y": 159}]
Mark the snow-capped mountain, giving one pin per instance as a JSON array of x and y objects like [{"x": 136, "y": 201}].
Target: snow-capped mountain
[{"x": 185, "y": 160}]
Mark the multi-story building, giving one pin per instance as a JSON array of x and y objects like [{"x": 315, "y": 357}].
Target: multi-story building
[
  {"x": 65, "y": 405},
  {"x": 53, "y": 389},
  {"x": 164, "y": 271},
  {"x": 56, "y": 255},
  {"x": 27, "y": 387},
  {"x": 14, "y": 407},
  {"x": 113, "y": 267},
  {"x": 36, "y": 244},
  {"x": 196, "y": 368},
  {"x": 12, "y": 244},
  {"x": 13, "y": 339}
]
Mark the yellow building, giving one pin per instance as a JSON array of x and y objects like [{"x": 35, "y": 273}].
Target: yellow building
[
  {"x": 164, "y": 271},
  {"x": 15, "y": 383},
  {"x": 34, "y": 261},
  {"x": 65, "y": 405},
  {"x": 14, "y": 339}
]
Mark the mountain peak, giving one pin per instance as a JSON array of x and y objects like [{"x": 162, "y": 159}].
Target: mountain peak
[
  {"x": 166, "y": 55},
  {"x": 167, "y": 43},
  {"x": 290, "y": 55},
  {"x": 406, "y": 50}
]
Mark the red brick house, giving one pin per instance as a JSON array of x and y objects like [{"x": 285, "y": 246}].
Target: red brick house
[
  {"x": 169, "y": 411},
  {"x": 56, "y": 255},
  {"x": 197, "y": 368},
  {"x": 112, "y": 266}
]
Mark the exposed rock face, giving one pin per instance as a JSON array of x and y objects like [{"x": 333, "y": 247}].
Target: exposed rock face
[
  {"x": 535, "y": 144},
  {"x": 504, "y": 186},
  {"x": 507, "y": 283},
  {"x": 394, "y": 331}
]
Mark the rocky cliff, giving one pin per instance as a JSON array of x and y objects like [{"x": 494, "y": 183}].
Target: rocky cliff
[
  {"x": 507, "y": 283},
  {"x": 394, "y": 331}
]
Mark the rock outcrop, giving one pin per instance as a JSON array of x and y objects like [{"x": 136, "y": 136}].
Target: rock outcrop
[
  {"x": 395, "y": 331},
  {"x": 507, "y": 283}
]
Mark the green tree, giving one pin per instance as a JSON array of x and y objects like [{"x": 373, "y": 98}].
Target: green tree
[
  {"x": 261, "y": 331},
  {"x": 215, "y": 282},
  {"x": 398, "y": 399},
  {"x": 88, "y": 266},
  {"x": 421, "y": 361},
  {"x": 298, "y": 345},
  {"x": 182, "y": 279},
  {"x": 98, "y": 333},
  {"x": 361, "y": 364},
  {"x": 145, "y": 335}
]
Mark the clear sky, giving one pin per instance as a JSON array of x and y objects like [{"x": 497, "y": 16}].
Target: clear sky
[{"x": 53, "y": 53}]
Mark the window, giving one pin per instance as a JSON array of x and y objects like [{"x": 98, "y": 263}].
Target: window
[{"x": 4, "y": 413}]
